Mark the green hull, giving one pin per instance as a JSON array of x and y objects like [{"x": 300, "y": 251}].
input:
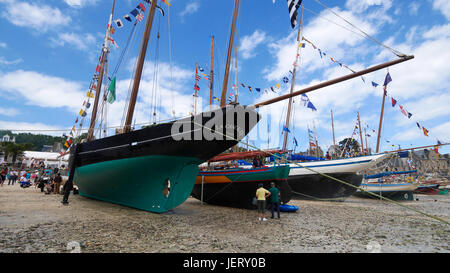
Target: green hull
[{"x": 139, "y": 182}]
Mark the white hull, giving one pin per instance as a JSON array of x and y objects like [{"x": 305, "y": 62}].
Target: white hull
[
  {"x": 381, "y": 187},
  {"x": 345, "y": 165}
]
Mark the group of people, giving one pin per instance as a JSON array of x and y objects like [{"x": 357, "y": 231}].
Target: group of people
[
  {"x": 274, "y": 200},
  {"x": 49, "y": 181}
]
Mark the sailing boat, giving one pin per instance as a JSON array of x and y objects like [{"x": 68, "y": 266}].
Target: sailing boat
[{"x": 153, "y": 168}]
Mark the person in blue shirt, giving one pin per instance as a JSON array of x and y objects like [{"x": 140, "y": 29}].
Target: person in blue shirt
[{"x": 274, "y": 199}]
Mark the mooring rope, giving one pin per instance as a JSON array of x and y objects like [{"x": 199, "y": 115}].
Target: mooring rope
[{"x": 333, "y": 178}]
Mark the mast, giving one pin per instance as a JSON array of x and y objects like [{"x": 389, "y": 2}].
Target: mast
[
  {"x": 139, "y": 67},
  {"x": 367, "y": 146},
  {"x": 288, "y": 114},
  {"x": 105, "y": 51},
  {"x": 230, "y": 47},
  {"x": 360, "y": 135},
  {"x": 332, "y": 129},
  {"x": 381, "y": 119},
  {"x": 315, "y": 139},
  {"x": 211, "y": 74},
  {"x": 333, "y": 81},
  {"x": 195, "y": 93}
]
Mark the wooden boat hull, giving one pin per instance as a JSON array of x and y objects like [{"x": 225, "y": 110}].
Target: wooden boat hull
[
  {"x": 130, "y": 168},
  {"x": 237, "y": 187},
  {"x": 402, "y": 192}
]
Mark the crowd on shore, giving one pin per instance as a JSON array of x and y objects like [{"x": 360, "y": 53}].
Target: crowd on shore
[{"x": 47, "y": 179}]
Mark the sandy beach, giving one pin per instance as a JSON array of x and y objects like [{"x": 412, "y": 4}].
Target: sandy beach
[{"x": 31, "y": 221}]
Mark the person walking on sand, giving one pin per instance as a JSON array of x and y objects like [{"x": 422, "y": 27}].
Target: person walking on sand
[
  {"x": 261, "y": 195},
  {"x": 274, "y": 199}
]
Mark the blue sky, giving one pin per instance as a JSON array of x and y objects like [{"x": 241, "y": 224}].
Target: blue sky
[{"x": 49, "y": 51}]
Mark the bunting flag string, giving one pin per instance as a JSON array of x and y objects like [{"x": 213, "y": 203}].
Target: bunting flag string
[{"x": 387, "y": 80}]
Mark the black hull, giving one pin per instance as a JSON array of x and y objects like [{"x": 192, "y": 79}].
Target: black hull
[
  {"x": 316, "y": 187},
  {"x": 236, "y": 194},
  {"x": 159, "y": 140},
  {"x": 393, "y": 195}
]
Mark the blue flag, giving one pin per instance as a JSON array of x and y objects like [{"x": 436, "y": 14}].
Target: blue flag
[
  {"x": 387, "y": 79},
  {"x": 374, "y": 84},
  {"x": 286, "y": 129},
  {"x": 310, "y": 105},
  {"x": 296, "y": 144}
]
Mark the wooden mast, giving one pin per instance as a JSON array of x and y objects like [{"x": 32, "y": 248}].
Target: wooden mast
[
  {"x": 139, "y": 67},
  {"x": 331, "y": 82},
  {"x": 360, "y": 135},
  {"x": 381, "y": 119},
  {"x": 367, "y": 146},
  {"x": 230, "y": 47},
  {"x": 211, "y": 76},
  {"x": 195, "y": 89},
  {"x": 105, "y": 51},
  {"x": 288, "y": 114},
  {"x": 332, "y": 129}
]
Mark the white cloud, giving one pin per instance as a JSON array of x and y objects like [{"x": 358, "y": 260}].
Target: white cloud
[
  {"x": 41, "y": 90},
  {"x": 414, "y": 8},
  {"x": 81, "y": 42},
  {"x": 24, "y": 127},
  {"x": 6, "y": 62},
  {"x": 190, "y": 8},
  {"x": 3, "y": 45},
  {"x": 80, "y": 3},
  {"x": 38, "y": 17},
  {"x": 443, "y": 6},
  {"x": 9, "y": 112},
  {"x": 250, "y": 42}
]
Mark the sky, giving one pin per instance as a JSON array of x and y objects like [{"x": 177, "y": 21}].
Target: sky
[{"x": 49, "y": 51}]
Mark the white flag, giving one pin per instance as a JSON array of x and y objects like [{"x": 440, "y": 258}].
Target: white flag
[{"x": 118, "y": 23}]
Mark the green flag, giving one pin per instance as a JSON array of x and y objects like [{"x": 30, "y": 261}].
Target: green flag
[{"x": 112, "y": 90}]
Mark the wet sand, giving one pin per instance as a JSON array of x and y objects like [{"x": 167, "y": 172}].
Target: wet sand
[{"x": 31, "y": 221}]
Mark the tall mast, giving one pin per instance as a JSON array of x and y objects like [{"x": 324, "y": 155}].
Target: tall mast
[
  {"x": 211, "y": 77},
  {"x": 381, "y": 119},
  {"x": 288, "y": 114},
  {"x": 195, "y": 93},
  {"x": 360, "y": 135},
  {"x": 367, "y": 146},
  {"x": 332, "y": 129},
  {"x": 139, "y": 67},
  {"x": 105, "y": 51},
  {"x": 315, "y": 140},
  {"x": 230, "y": 47}
]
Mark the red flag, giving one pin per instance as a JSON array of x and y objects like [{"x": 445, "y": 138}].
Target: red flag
[
  {"x": 142, "y": 7},
  {"x": 403, "y": 111},
  {"x": 98, "y": 68},
  {"x": 394, "y": 102},
  {"x": 425, "y": 131}
]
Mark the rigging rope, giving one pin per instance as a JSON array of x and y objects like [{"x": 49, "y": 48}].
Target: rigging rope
[{"x": 397, "y": 53}]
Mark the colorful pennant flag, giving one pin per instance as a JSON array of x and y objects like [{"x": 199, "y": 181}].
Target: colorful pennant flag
[
  {"x": 387, "y": 80},
  {"x": 119, "y": 23},
  {"x": 166, "y": 2},
  {"x": 90, "y": 95},
  {"x": 134, "y": 12},
  {"x": 394, "y": 102},
  {"x": 425, "y": 131},
  {"x": 127, "y": 17},
  {"x": 112, "y": 91}
]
